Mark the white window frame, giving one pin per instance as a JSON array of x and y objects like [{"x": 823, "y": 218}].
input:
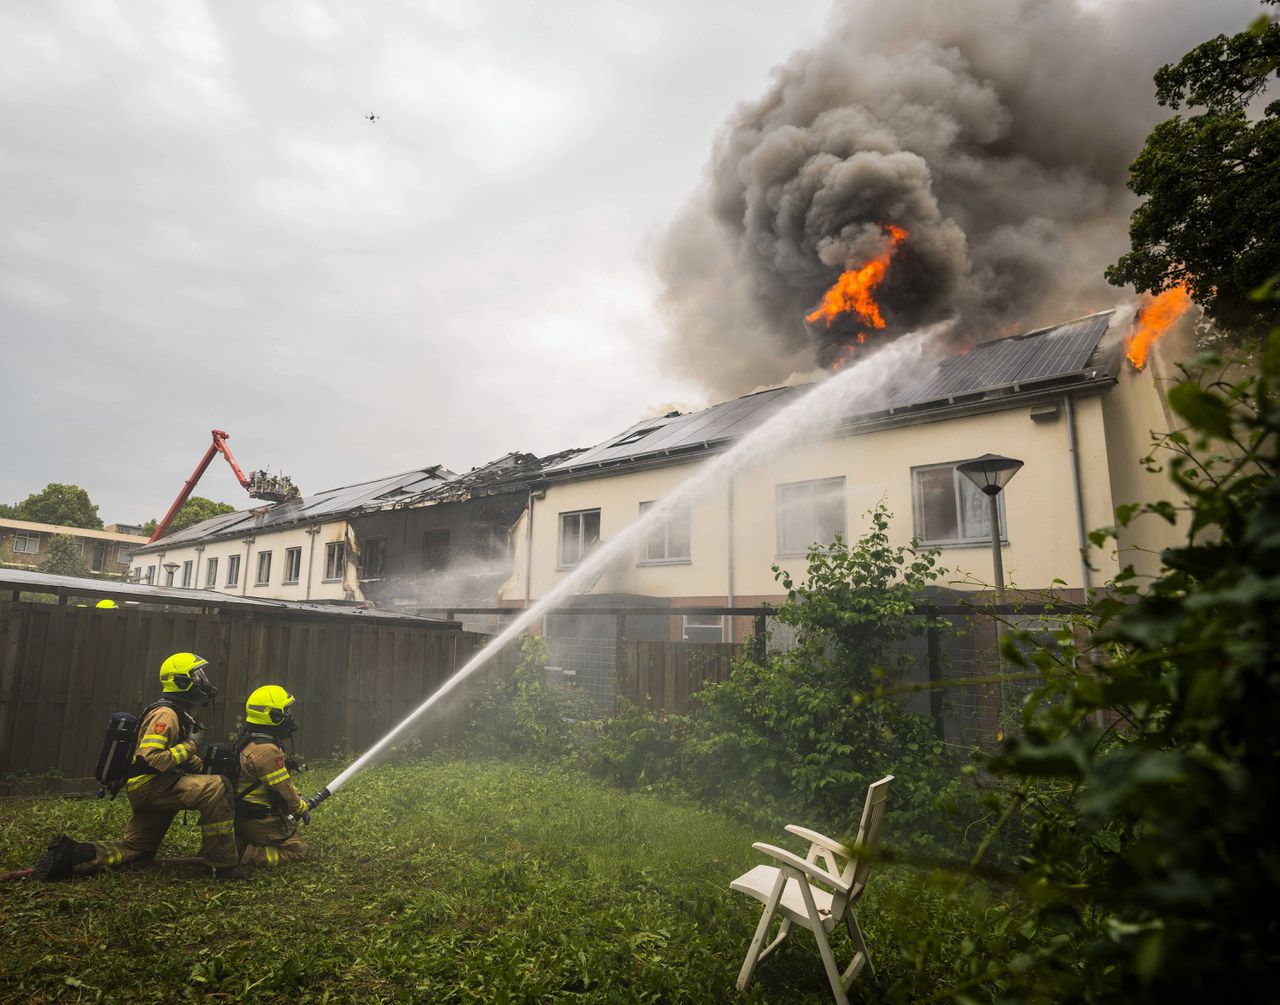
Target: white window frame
[
  {"x": 333, "y": 569},
  {"x": 149, "y": 576},
  {"x": 211, "y": 572},
  {"x": 961, "y": 484},
  {"x": 706, "y": 620},
  {"x": 582, "y": 549},
  {"x": 784, "y": 508},
  {"x": 292, "y": 566},
  {"x": 684, "y": 512},
  {"x": 233, "y": 570},
  {"x": 26, "y": 542},
  {"x": 188, "y": 573},
  {"x": 263, "y": 576}
]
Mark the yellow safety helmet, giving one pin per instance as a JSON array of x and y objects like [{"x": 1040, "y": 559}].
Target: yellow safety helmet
[
  {"x": 106, "y": 603},
  {"x": 181, "y": 674},
  {"x": 269, "y": 706}
]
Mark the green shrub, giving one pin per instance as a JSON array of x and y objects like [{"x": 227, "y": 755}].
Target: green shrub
[
  {"x": 521, "y": 713},
  {"x": 637, "y": 747},
  {"x": 1149, "y": 784},
  {"x": 800, "y": 734}
]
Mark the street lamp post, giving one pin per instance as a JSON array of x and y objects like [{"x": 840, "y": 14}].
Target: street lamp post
[
  {"x": 170, "y": 568},
  {"x": 991, "y": 473}
]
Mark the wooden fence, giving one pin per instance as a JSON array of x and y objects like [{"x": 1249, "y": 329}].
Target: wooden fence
[
  {"x": 666, "y": 676},
  {"x": 64, "y": 670}
]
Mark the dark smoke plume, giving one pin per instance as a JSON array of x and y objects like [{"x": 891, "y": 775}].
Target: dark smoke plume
[{"x": 997, "y": 132}]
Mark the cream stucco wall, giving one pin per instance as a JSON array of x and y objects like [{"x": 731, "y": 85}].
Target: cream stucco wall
[
  {"x": 1135, "y": 415},
  {"x": 275, "y": 541},
  {"x": 1043, "y": 539}
]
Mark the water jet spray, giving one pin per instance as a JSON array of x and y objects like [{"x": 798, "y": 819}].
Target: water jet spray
[{"x": 824, "y": 405}]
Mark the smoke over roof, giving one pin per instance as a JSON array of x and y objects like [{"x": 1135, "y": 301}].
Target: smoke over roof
[{"x": 998, "y": 133}]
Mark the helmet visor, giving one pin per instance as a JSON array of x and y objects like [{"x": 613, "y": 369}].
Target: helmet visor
[{"x": 201, "y": 685}]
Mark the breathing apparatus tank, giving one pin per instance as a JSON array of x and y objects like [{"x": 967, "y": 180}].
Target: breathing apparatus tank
[
  {"x": 222, "y": 759},
  {"x": 116, "y": 755}
]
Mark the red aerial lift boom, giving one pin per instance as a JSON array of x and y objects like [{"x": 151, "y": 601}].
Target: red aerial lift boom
[{"x": 260, "y": 485}]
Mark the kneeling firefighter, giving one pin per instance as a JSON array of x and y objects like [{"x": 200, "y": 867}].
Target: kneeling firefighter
[
  {"x": 267, "y": 804},
  {"x": 161, "y": 777}
]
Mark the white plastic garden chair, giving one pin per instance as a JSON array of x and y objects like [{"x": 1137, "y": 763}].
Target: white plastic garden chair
[{"x": 816, "y": 892}]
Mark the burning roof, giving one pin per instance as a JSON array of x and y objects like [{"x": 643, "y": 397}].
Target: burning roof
[{"x": 1068, "y": 354}]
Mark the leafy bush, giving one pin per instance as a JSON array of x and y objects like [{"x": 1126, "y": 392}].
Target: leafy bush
[
  {"x": 805, "y": 731},
  {"x": 637, "y": 747},
  {"x": 802, "y": 733},
  {"x": 1153, "y": 868},
  {"x": 521, "y": 713}
]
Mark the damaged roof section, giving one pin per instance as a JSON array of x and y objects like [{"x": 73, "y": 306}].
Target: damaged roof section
[
  {"x": 330, "y": 504},
  {"x": 1065, "y": 354},
  {"x": 513, "y": 472}
]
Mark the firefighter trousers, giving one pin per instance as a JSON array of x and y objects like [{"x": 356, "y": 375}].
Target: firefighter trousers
[
  {"x": 269, "y": 841},
  {"x": 155, "y": 805}
]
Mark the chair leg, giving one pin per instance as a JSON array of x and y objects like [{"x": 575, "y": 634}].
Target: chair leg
[
  {"x": 824, "y": 947},
  {"x": 762, "y": 930},
  {"x": 859, "y": 943},
  {"x": 783, "y": 930}
]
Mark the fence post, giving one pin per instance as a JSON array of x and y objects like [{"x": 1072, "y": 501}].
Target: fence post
[
  {"x": 758, "y": 646},
  {"x": 935, "y": 675}
]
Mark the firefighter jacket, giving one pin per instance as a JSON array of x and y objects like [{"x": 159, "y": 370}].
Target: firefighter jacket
[
  {"x": 264, "y": 787},
  {"x": 163, "y": 746}
]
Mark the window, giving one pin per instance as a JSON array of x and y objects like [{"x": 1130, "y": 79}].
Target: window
[
  {"x": 122, "y": 554},
  {"x": 334, "y": 559},
  {"x": 489, "y": 544},
  {"x": 264, "y": 569},
  {"x": 292, "y": 565},
  {"x": 809, "y": 513},
  {"x": 26, "y": 544},
  {"x": 150, "y": 576},
  {"x": 373, "y": 558},
  {"x": 950, "y": 509},
  {"x": 669, "y": 539},
  {"x": 99, "y": 555},
  {"x": 169, "y": 573},
  {"x": 233, "y": 570},
  {"x": 579, "y": 533},
  {"x": 703, "y": 628},
  {"x": 435, "y": 549},
  {"x": 188, "y": 573},
  {"x": 211, "y": 574}
]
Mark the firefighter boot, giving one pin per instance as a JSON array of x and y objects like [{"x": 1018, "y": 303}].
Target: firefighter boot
[
  {"x": 231, "y": 872},
  {"x": 62, "y": 855}
]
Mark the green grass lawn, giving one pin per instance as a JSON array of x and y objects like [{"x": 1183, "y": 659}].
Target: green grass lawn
[{"x": 433, "y": 881}]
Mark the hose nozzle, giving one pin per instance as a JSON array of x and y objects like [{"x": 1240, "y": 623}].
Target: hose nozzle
[{"x": 319, "y": 797}]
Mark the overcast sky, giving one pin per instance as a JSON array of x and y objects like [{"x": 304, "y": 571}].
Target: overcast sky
[{"x": 201, "y": 228}]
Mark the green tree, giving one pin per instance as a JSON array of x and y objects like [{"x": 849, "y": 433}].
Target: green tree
[
  {"x": 1210, "y": 219},
  {"x": 9, "y": 511},
  {"x": 65, "y": 505},
  {"x": 63, "y": 557},
  {"x": 195, "y": 510}
]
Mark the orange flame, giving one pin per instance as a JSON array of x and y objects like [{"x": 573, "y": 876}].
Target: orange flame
[
  {"x": 852, "y": 291},
  {"x": 1157, "y": 317}
]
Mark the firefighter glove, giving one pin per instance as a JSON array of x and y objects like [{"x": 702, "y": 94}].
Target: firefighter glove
[
  {"x": 195, "y": 736},
  {"x": 305, "y": 815}
]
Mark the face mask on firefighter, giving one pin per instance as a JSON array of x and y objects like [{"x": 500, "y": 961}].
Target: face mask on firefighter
[{"x": 201, "y": 691}]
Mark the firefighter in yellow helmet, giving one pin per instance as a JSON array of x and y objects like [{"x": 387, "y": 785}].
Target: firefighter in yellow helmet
[
  {"x": 165, "y": 778},
  {"x": 267, "y": 804},
  {"x": 106, "y": 605}
]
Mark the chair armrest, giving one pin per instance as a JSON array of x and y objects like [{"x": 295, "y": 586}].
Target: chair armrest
[
  {"x": 796, "y": 862},
  {"x": 821, "y": 840}
]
